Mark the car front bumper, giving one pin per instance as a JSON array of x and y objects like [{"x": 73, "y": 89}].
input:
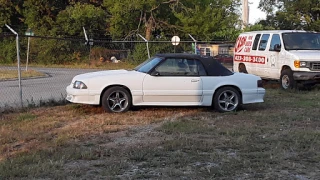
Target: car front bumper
[{"x": 82, "y": 96}]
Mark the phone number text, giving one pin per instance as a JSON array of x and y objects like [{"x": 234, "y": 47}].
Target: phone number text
[{"x": 250, "y": 59}]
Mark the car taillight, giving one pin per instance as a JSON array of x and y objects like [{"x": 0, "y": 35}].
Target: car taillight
[{"x": 260, "y": 83}]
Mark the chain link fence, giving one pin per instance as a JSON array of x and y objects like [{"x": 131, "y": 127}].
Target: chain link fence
[{"x": 53, "y": 62}]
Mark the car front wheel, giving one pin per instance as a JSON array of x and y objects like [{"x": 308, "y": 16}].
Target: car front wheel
[
  {"x": 226, "y": 99},
  {"x": 116, "y": 99}
]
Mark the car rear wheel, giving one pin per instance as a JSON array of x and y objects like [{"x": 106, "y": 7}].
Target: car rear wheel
[
  {"x": 116, "y": 99},
  {"x": 286, "y": 80},
  {"x": 226, "y": 99}
]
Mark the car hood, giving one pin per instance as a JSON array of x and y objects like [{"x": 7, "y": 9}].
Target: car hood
[
  {"x": 306, "y": 54},
  {"x": 98, "y": 74}
]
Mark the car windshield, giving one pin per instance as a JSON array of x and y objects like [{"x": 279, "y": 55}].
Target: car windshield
[
  {"x": 301, "y": 41},
  {"x": 148, "y": 65}
]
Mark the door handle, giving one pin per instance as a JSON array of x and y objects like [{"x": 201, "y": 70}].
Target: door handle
[{"x": 195, "y": 80}]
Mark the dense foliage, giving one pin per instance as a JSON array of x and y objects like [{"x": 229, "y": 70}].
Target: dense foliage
[
  {"x": 157, "y": 20},
  {"x": 292, "y": 14}
]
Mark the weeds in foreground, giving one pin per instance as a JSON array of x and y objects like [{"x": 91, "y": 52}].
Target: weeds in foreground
[
  {"x": 32, "y": 104},
  {"x": 278, "y": 139}
]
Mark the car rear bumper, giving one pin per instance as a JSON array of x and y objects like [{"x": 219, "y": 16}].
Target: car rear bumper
[{"x": 81, "y": 96}]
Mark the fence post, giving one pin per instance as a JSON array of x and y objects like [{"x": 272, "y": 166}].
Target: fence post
[
  {"x": 28, "y": 33},
  {"x": 195, "y": 44},
  {"x": 147, "y": 44},
  {"x": 18, "y": 59}
]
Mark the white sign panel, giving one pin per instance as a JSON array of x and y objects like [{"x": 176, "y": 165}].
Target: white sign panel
[{"x": 175, "y": 40}]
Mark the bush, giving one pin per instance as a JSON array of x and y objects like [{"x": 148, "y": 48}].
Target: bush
[
  {"x": 52, "y": 51},
  {"x": 8, "y": 51},
  {"x": 139, "y": 53}
]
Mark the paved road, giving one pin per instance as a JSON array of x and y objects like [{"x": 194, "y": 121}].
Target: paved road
[{"x": 38, "y": 89}]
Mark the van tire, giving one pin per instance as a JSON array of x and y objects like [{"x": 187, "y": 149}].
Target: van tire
[
  {"x": 286, "y": 80},
  {"x": 242, "y": 68}
]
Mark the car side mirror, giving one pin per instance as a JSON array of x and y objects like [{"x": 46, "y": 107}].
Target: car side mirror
[
  {"x": 155, "y": 73},
  {"x": 277, "y": 47}
]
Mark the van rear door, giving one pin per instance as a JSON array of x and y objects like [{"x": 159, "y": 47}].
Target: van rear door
[{"x": 262, "y": 54}]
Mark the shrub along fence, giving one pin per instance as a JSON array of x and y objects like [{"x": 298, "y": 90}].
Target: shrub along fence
[{"x": 48, "y": 64}]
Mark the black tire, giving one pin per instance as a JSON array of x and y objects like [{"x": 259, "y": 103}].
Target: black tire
[
  {"x": 226, "y": 99},
  {"x": 116, "y": 100},
  {"x": 242, "y": 68},
  {"x": 286, "y": 80}
]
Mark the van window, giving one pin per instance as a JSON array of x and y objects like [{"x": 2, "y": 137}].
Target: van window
[
  {"x": 274, "y": 40},
  {"x": 256, "y": 41},
  {"x": 264, "y": 42},
  {"x": 301, "y": 41}
]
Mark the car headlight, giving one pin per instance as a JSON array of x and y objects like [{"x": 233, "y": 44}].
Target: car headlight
[
  {"x": 299, "y": 64},
  {"x": 79, "y": 85}
]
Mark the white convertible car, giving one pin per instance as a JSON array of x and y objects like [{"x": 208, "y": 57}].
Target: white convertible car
[{"x": 168, "y": 80}]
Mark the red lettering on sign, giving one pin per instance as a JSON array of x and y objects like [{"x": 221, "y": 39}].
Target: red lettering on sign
[
  {"x": 248, "y": 43},
  {"x": 247, "y": 49},
  {"x": 240, "y": 43}
]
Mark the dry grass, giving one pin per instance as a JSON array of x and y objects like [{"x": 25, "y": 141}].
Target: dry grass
[
  {"x": 13, "y": 74},
  {"x": 278, "y": 139},
  {"x": 97, "y": 65}
]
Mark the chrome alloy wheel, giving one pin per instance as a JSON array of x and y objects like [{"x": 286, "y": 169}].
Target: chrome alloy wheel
[
  {"x": 228, "y": 100},
  {"x": 117, "y": 101}
]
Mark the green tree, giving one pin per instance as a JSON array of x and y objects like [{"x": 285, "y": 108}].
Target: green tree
[
  {"x": 129, "y": 17},
  {"x": 209, "y": 19},
  {"x": 74, "y": 17},
  {"x": 262, "y": 25},
  {"x": 10, "y": 12},
  {"x": 292, "y": 14},
  {"x": 206, "y": 19},
  {"x": 41, "y": 15},
  {"x": 5, "y": 12}
]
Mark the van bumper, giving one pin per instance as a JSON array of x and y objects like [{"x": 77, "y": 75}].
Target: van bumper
[{"x": 306, "y": 76}]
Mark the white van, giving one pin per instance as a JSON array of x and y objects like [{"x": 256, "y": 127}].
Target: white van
[{"x": 287, "y": 55}]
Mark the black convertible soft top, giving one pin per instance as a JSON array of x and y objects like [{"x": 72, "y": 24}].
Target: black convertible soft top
[{"x": 212, "y": 66}]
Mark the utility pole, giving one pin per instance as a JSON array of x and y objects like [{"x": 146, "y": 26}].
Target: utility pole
[{"x": 245, "y": 13}]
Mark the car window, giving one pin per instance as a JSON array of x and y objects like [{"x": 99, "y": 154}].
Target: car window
[
  {"x": 180, "y": 67},
  {"x": 200, "y": 68},
  {"x": 264, "y": 42},
  {"x": 146, "y": 66},
  {"x": 256, "y": 41},
  {"x": 274, "y": 40}
]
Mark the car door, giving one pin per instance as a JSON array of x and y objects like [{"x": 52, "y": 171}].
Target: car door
[{"x": 173, "y": 82}]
